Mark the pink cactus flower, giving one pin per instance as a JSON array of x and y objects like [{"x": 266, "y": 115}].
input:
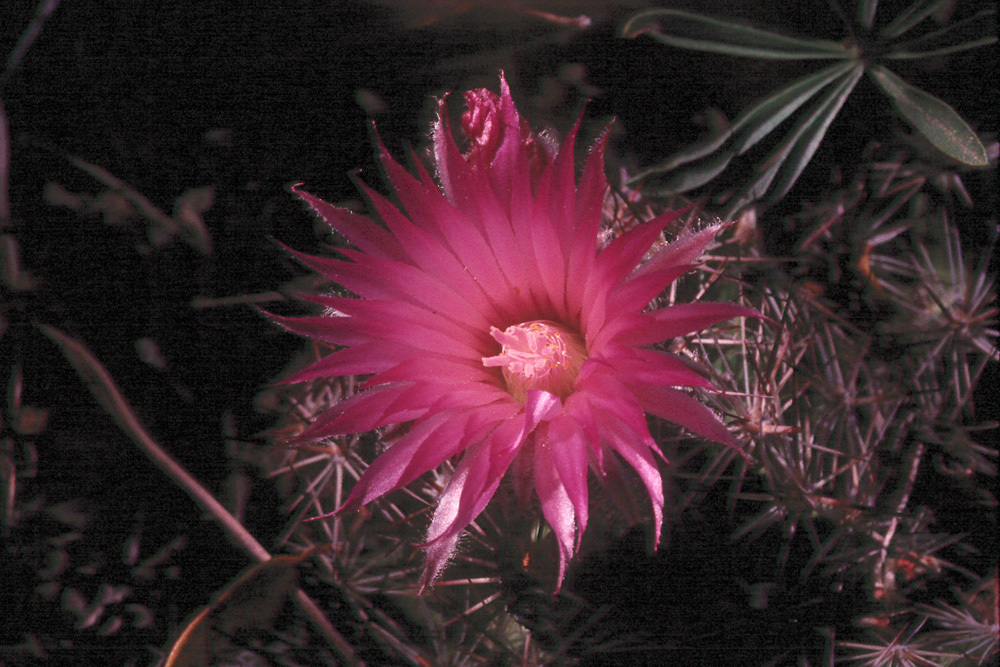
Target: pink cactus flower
[{"x": 489, "y": 319}]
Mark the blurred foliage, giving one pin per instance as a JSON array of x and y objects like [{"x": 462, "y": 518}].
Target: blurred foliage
[{"x": 867, "y": 49}]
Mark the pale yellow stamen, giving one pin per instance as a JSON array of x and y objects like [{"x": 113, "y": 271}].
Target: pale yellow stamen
[{"x": 538, "y": 355}]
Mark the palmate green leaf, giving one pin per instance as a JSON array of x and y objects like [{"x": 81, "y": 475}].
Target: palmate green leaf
[
  {"x": 806, "y": 144},
  {"x": 969, "y": 33},
  {"x": 757, "y": 122},
  {"x": 910, "y": 17},
  {"x": 700, "y": 163},
  {"x": 747, "y": 130},
  {"x": 695, "y": 151},
  {"x": 933, "y": 118},
  {"x": 782, "y": 168},
  {"x": 698, "y": 174},
  {"x": 701, "y": 33}
]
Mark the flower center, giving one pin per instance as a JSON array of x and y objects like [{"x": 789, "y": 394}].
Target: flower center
[{"x": 538, "y": 355}]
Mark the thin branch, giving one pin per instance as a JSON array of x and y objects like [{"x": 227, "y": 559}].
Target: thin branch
[
  {"x": 4, "y": 168},
  {"x": 106, "y": 391},
  {"x": 45, "y": 9}
]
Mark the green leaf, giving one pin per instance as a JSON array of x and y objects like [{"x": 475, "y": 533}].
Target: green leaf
[
  {"x": 800, "y": 145},
  {"x": 813, "y": 133},
  {"x": 701, "y": 33},
  {"x": 749, "y": 128},
  {"x": 695, "y": 151},
  {"x": 766, "y": 115},
  {"x": 866, "y": 13},
  {"x": 933, "y": 118},
  {"x": 910, "y": 17},
  {"x": 697, "y": 175},
  {"x": 904, "y": 54},
  {"x": 970, "y": 33}
]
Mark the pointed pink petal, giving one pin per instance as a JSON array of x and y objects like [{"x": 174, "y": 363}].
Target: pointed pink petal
[
  {"x": 446, "y": 396},
  {"x": 433, "y": 215},
  {"x": 620, "y": 258},
  {"x": 362, "y": 232},
  {"x": 552, "y": 223},
  {"x": 556, "y": 505},
  {"x": 485, "y": 468},
  {"x": 514, "y": 259},
  {"x": 566, "y": 438},
  {"x": 635, "y": 294},
  {"x": 557, "y": 189},
  {"x": 487, "y": 216},
  {"x": 461, "y": 230},
  {"x": 540, "y": 406},
  {"x": 350, "y": 275},
  {"x": 498, "y": 239},
  {"x": 681, "y": 251},
  {"x": 365, "y": 411},
  {"x": 638, "y": 454},
  {"x": 427, "y": 445},
  {"x": 578, "y": 408},
  {"x": 592, "y": 319},
  {"x": 613, "y": 265},
  {"x": 329, "y": 329},
  {"x": 609, "y": 396},
  {"x": 419, "y": 331},
  {"x": 413, "y": 326},
  {"x": 547, "y": 262},
  {"x": 484, "y": 472},
  {"x": 400, "y": 311},
  {"x": 379, "y": 279},
  {"x": 413, "y": 401},
  {"x": 370, "y": 357},
  {"x": 444, "y": 370},
  {"x": 513, "y": 170},
  {"x": 677, "y": 407},
  {"x": 636, "y": 365},
  {"x": 462, "y": 269},
  {"x": 504, "y": 169},
  {"x": 424, "y": 249},
  {"x": 589, "y": 210},
  {"x": 471, "y": 487},
  {"x": 417, "y": 286},
  {"x": 438, "y": 555},
  {"x": 360, "y": 320},
  {"x": 440, "y": 137},
  {"x": 681, "y": 319},
  {"x": 454, "y": 171}
]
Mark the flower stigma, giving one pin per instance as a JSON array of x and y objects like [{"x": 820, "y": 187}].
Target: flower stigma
[{"x": 538, "y": 355}]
